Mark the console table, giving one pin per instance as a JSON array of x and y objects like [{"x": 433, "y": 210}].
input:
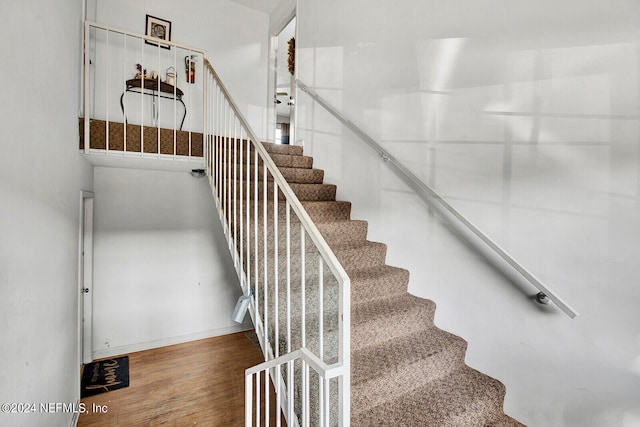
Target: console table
[{"x": 155, "y": 88}]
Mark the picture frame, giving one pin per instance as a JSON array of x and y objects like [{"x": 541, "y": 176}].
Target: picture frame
[{"x": 160, "y": 29}]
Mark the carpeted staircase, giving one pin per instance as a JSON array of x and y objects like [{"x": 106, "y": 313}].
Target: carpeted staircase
[{"x": 404, "y": 370}]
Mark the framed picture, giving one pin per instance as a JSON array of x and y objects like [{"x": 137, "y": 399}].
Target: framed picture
[{"x": 159, "y": 29}]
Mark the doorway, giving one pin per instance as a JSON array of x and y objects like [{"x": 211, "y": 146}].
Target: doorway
[
  {"x": 285, "y": 85},
  {"x": 85, "y": 278}
]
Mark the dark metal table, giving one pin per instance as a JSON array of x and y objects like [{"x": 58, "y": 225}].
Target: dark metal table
[{"x": 165, "y": 90}]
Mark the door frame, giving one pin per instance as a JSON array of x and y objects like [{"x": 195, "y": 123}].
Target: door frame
[
  {"x": 85, "y": 278},
  {"x": 272, "y": 78}
]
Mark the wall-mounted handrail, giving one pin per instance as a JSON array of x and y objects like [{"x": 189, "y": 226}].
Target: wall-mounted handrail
[{"x": 436, "y": 201}]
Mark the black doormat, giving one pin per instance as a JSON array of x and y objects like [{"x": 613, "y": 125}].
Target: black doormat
[{"x": 105, "y": 375}]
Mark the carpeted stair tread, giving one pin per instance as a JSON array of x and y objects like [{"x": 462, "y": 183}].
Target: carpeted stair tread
[
  {"x": 318, "y": 210},
  {"x": 228, "y": 155},
  {"x": 228, "y": 146},
  {"x": 291, "y": 175},
  {"x": 370, "y": 321},
  {"x": 300, "y": 175},
  {"x": 398, "y": 366},
  {"x": 293, "y": 150},
  {"x": 403, "y": 350},
  {"x": 382, "y": 281},
  {"x": 505, "y": 421},
  {"x": 360, "y": 255},
  {"x": 405, "y": 370},
  {"x": 465, "y": 397},
  {"x": 343, "y": 231},
  {"x": 319, "y": 192},
  {"x": 288, "y": 161},
  {"x": 323, "y": 211}
]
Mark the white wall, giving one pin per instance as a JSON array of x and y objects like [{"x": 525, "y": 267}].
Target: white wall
[
  {"x": 524, "y": 116},
  {"x": 41, "y": 175},
  {"x": 162, "y": 272},
  {"x": 234, "y": 37}
]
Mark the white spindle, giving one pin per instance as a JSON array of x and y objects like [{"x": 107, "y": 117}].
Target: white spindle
[
  {"x": 234, "y": 201},
  {"x": 265, "y": 286},
  {"x": 175, "y": 106},
  {"x": 326, "y": 412},
  {"x": 124, "y": 80},
  {"x": 258, "y": 399},
  {"x": 248, "y": 222},
  {"x": 248, "y": 399},
  {"x": 255, "y": 233},
  {"x": 321, "y": 307},
  {"x": 108, "y": 65},
  {"x": 241, "y": 202},
  {"x": 158, "y": 106},
  {"x": 142, "y": 98},
  {"x": 275, "y": 271},
  {"x": 303, "y": 285}
]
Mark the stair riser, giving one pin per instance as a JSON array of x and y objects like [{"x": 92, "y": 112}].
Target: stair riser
[
  {"x": 371, "y": 255},
  {"x": 463, "y": 397},
  {"x": 291, "y": 150},
  {"x": 319, "y": 211},
  {"x": 370, "y": 322},
  {"x": 389, "y": 286},
  {"x": 304, "y": 192},
  {"x": 291, "y": 175},
  {"x": 334, "y": 233},
  {"x": 281, "y": 160},
  {"x": 378, "y": 390},
  {"x": 368, "y": 255}
]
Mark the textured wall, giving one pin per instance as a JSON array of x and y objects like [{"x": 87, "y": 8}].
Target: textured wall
[
  {"x": 41, "y": 175},
  {"x": 162, "y": 273},
  {"x": 524, "y": 116}
]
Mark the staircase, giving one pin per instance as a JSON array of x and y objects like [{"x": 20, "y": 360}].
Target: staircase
[
  {"x": 344, "y": 342},
  {"x": 404, "y": 370}
]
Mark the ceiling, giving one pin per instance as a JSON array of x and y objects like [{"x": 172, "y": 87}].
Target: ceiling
[{"x": 265, "y": 6}]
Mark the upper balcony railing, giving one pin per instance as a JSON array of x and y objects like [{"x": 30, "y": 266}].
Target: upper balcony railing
[{"x": 142, "y": 96}]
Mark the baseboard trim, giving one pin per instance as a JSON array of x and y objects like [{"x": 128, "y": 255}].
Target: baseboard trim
[
  {"x": 76, "y": 415},
  {"x": 148, "y": 345}
]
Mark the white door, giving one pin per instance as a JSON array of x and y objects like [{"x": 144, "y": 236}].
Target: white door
[{"x": 86, "y": 276}]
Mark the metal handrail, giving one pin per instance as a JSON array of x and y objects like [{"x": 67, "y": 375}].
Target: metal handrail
[
  {"x": 309, "y": 225},
  {"x": 342, "y": 367},
  {"x": 309, "y": 360},
  {"x": 432, "y": 198}
]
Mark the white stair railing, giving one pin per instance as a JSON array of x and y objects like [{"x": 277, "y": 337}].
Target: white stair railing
[
  {"x": 308, "y": 362},
  {"x": 300, "y": 294}
]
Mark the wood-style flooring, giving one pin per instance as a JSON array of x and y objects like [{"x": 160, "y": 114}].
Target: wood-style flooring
[{"x": 197, "y": 383}]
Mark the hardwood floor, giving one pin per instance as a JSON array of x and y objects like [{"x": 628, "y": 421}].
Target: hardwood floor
[{"x": 197, "y": 383}]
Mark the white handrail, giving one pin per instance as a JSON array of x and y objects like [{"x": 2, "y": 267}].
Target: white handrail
[
  {"x": 145, "y": 37},
  {"x": 433, "y": 199},
  {"x": 309, "y": 360},
  {"x": 233, "y": 150},
  {"x": 314, "y": 233},
  {"x": 324, "y": 370}
]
